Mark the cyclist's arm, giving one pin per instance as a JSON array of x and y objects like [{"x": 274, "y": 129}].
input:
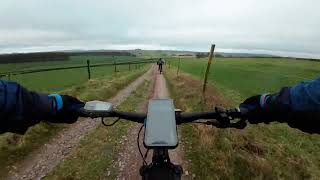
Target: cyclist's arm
[
  {"x": 306, "y": 96},
  {"x": 20, "y": 108},
  {"x": 299, "y": 105},
  {"x": 303, "y": 97}
]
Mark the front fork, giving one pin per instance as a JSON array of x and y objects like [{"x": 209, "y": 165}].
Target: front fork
[{"x": 161, "y": 167}]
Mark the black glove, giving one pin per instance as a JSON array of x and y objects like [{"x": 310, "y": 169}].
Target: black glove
[
  {"x": 68, "y": 113},
  {"x": 253, "y": 110},
  {"x": 267, "y": 108}
]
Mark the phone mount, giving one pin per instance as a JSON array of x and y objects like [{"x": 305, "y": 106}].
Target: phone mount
[{"x": 160, "y": 125}]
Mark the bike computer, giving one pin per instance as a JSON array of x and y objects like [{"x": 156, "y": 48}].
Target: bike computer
[
  {"x": 98, "y": 106},
  {"x": 160, "y": 125}
]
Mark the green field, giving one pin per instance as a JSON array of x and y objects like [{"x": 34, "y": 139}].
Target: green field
[
  {"x": 261, "y": 151},
  {"x": 243, "y": 77},
  {"x": 61, "y": 79}
]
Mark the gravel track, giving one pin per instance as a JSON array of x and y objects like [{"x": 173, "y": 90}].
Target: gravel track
[
  {"x": 39, "y": 163},
  {"x": 129, "y": 160}
]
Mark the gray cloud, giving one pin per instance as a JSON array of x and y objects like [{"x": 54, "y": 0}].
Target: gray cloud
[{"x": 273, "y": 26}]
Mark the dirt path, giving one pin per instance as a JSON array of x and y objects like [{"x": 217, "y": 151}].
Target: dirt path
[
  {"x": 130, "y": 161},
  {"x": 40, "y": 163}
]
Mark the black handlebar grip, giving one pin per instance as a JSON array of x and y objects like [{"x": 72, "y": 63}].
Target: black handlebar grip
[
  {"x": 135, "y": 117},
  {"x": 189, "y": 117}
]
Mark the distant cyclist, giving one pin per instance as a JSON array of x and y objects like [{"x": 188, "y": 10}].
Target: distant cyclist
[{"x": 160, "y": 62}]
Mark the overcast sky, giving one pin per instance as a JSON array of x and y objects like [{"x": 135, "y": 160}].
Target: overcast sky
[{"x": 285, "y": 27}]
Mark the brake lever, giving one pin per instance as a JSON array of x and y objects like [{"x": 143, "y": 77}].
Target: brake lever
[
  {"x": 225, "y": 118},
  {"x": 241, "y": 124},
  {"x": 223, "y": 121}
]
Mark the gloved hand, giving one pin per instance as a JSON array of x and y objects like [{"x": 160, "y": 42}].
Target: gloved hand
[
  {"x": 66, "y": 109},
  {"x": 255, "y": 109},
  {"x": 265, "y": 109}
]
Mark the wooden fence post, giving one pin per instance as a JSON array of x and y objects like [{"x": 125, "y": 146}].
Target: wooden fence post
[
  {"x": 208, "y": 68},
  {"x": 115, "y": 66},
  {"x": 178, "y": 67},
  {"x": 203, "y": 71},
  {"x": 88, "y": 67}
]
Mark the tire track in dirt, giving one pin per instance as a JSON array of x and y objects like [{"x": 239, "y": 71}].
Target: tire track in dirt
[
  {"x": 39, "y": 163},
  {"x": 130, "y": 160}
]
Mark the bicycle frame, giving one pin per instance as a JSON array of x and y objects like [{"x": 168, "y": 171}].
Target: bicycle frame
[{"x": 161, "y": 167}]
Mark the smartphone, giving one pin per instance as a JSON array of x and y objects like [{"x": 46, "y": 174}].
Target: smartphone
[{"x": 160, "y": 125}]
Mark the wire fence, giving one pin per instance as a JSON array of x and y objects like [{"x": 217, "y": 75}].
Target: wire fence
[{"x": 89, "y": 66}]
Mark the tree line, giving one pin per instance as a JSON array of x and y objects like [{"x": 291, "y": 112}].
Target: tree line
[{"x": 54, "y": 56}]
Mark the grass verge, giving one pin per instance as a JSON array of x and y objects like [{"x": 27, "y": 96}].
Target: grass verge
[
  {"x": 257, "y": 152},
  {"x": 98, "y": 150},
  {"x": 14, "y": 148}
]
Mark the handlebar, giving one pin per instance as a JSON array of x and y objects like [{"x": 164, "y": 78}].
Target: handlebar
[
  {"x": 219, "y": 117},
  {"x": 218, "y": 113},
  {"x": 135, "y": 117}
]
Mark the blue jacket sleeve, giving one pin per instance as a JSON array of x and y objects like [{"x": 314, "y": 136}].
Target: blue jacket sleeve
[
  {"x": 303, "y": 97},
  {"x": 20, "y": 108},
  {"x": 306, "y": 96},
  {"x": 299, "y": 105}
]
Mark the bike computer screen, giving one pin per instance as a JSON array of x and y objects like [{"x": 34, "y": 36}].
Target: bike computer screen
[
  {"x": 98, "y": 106},
  {"x": 160, "y": 125}
]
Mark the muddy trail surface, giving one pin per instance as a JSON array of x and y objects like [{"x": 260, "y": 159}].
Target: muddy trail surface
[
  {"x": 39, "y": 163},
  {"x": 130, "y": 160}
]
